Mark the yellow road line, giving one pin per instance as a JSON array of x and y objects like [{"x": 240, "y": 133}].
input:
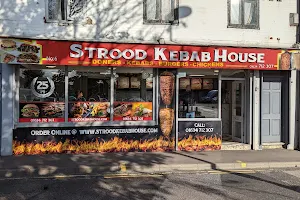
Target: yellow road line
[{"x": 133, "y": 176}]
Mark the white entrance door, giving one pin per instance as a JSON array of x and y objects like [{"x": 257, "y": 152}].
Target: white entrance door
[{"x": 238, "y": 90}]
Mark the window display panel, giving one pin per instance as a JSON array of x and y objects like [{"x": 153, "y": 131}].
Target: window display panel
[
  {"x": 42, "y": 94},
  {"x": 89, "y": 94},
  {"x": 133, "y": 94},
  {"x": 198, "y": 94}
]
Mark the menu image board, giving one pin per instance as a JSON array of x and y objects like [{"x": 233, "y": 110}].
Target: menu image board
[
  {"x": 41, "y": 112},
  {"x": 123, "y": 82},
  {"x": 149, "y": 83},
  {"x": 135, "y": 82},
  {"x": 132, "y": 111},
  {"x": 196, "y": 84},
  {"x": 183, "y": 83},
  {"x": 88, "y": 111},
  {"x": 208, "y": 84}
]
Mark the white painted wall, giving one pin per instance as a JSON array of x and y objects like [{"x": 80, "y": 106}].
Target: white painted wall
[{"x": 122, "y": 21}]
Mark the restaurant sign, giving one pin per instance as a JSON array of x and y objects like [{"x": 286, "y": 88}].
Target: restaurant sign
[{"x": 49, "y": 52}]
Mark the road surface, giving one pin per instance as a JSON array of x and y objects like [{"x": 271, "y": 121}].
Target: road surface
[{"x": 214, "y": 185}]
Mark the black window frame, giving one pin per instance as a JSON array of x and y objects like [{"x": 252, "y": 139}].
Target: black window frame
[
  {"x": 242, "y": 7},
  {"x": 160, "y": 21}
]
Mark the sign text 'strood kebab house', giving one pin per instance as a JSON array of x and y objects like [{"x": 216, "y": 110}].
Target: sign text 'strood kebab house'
[{"x": 16, "y": 51}]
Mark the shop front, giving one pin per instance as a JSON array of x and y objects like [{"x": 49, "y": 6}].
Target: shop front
[{"x": 81, "y": 97}]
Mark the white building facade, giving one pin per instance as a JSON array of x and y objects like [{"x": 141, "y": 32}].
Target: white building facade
[
  {"x": 261, "y": 23},
  {"x": 253, "y": 107}
]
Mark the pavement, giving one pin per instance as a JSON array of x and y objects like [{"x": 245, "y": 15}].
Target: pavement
[{"x": 62, "y": 165}]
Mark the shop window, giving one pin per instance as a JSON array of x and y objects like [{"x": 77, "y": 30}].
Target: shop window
[
  {"x": 89, "y": 94},
  {"x": 198, "y": 94},
  {"x": 133, "y": 94},
  {"x": 64, "y": 10},
  {"x": 42, "y": 95},
  {"x": 233, "y": 73},
  {"x": 161, "y": 12},
  {"x": 243, "y": 14}
]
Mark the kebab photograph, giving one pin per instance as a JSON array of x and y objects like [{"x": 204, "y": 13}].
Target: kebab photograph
[
  {"x": 53, "y": 110},
  {"x": 167, "y": 84},
  {"x": 8, "y": 58},
  {"x": 123, "y": 110},
  {"x": 30, "y": 111},
  {"x": 285, "y": 61},
  {"x": 166, "y": 115},
  {"x": 28, "y": 58},
  {"x": 28, "y": 48},
  {"x": 8, "y": 45}
]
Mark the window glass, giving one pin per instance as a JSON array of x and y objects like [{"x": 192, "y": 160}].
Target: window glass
[
  {"x": 250, "y": 12},
  {"x": 133, "y": 94},
  {"x": 233, "y": 73},
  {"x": 243, "y": 13},
  {"x": 89, "y": 94},
  {"x": 235, "y": 14},
  {"x": 159, "y": 11},
  {"x": 198, "y": 94},
  {"x": 53, "y": 9},
  {"x": 42, "y": 94}
]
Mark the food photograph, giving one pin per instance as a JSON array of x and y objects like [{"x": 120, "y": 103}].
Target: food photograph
[
  {"x": 89, "y": 110},
  {"x": 28, "y": 58},
  {"x": 167, "y": 84},
  {"x": 53, "y": 110},
  {"x": 167, "y": 107},
  {"x": 8, "y": 58},
  {"x": 8, "y": 45},
  {"x": 123, "y": 110},
  {"x": 19, "y": 51},
  {"x": 30, "y": 111}
]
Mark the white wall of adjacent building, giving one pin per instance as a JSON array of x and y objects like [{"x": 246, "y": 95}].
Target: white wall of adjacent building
[{"x": 122, "y": 21}]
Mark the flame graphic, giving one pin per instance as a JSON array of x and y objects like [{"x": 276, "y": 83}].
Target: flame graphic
[
  {"x": 116, "y": 144},
  {"x": 200, "y": 143}
]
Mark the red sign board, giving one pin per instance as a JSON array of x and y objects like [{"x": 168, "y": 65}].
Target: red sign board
[{"x": 16, "y": 51}]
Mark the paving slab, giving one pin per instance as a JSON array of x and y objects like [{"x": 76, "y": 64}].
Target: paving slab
[{"x": 145, "y": 162}]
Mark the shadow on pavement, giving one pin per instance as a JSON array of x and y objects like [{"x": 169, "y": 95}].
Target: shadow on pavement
[
  {"x": 214, "y": 167},
  {"x": 88, "y": 164}
]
